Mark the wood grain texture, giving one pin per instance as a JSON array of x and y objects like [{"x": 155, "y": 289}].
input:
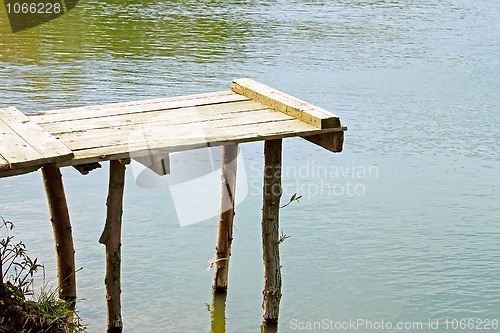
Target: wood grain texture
[
  {"x": 333, "y": 141},
  {"x": 23, "y": 143},
  {"x": 285, "y": 103},
  {"x": 270, "y": 229},
  {"x": 226, "y": 217},
  {"x": 111, "y": 238},
  {"x": 63, "y": 237}
]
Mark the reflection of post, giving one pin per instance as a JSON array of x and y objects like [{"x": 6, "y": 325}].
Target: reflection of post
[
  {"x": 218, "y": 313},
  {"x": 226, "y": 215},
  {"x": 61, "y": 225},
  {"x": 111, "y": 238},
  {"x": 270, "y": 230}
]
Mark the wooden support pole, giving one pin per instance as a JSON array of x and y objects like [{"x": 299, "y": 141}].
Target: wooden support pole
[
  {"x": 111, "y": 238},
  {"x": 226, "y": 216},
  {"x": 267, "y": 327},
  {"x": 270, "y": 230},
  {"x": 61, "y": 225}
]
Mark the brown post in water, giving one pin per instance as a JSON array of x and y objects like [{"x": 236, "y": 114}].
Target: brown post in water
[
  {"x": 270, "y": 230},
  {"x": 226, "y": 216},
  {"x": 61, "y": 225},
  {"x": 111, "y": 238}
]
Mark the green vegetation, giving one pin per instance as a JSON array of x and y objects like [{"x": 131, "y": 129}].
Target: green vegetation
[
  {"x": 283, "y": 236},
  {"x": 21, "y": 311}
]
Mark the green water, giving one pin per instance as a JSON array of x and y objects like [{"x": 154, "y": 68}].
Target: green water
[{"x": 417, "y": 83}]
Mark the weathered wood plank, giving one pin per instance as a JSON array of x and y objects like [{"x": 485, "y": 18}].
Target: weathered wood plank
[
  {"x": 239, "y": 134},
  {"x": 285, "y": 103},
  {"x": 113, "y": 109},
  {"x": 172, "y": 136},
  {"x": 166, "y": 131},
  {"x": 84, "y": 169},
  {"x": 330, "y": 141},
  {"x": 16, "y": 150},
  {"x": 17, "y": 172},
  {"x": 41, "y": 141},
  {"x": 169, "y": 116}
]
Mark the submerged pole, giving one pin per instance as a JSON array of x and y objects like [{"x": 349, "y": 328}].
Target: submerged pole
[
  {"x": 61, "y": 225},
  {"x": 226, "y": 216},
  {"x": 111, "y": 238},
  {"x": 270, "y": 230},
  {"x": 218, "y": 313}
]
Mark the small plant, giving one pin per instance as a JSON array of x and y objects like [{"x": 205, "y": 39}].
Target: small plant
[
  {"x": 40, "y": 313},
  {"x": 294, "y": 197},
  {"x": 283, "y": 237},
  {"x": 16, "y": 267}
]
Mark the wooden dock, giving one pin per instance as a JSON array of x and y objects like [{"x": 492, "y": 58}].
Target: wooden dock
[{"x": 148, "y": 131}]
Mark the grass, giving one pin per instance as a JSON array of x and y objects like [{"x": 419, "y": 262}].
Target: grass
[{"x": 21, "y": 311}]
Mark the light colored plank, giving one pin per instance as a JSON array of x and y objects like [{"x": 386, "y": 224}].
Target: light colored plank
[
  {"x": 166, "y": 131},
  {"x": 41, "y": 141},
  {"x": 287, "y": 104},
  {"x": 98, "y": 111},
  {"x": 15, "y": 150},
  {"x": 238, "y": 134},
  {"x": 139, "y": 103},
  {"x": 330, "y": 141},
  {"x": 173, "y": 116}
]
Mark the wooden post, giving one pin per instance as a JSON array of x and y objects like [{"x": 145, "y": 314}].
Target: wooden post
[
  {"x": 226, "y": 216},
  {"x": 111, "y": 238},
  {"x": 61, "y": 225},
  {"x": 270, "y": 230},
  {"x": 267, "y": 327}
]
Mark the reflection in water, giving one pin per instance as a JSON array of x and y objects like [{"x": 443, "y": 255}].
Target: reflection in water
[
  {"x": 218, "y": 316},
  {"x": 218, "y": 313}
]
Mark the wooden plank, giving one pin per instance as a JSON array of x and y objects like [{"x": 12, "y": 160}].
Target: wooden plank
[
  {"x": 330, "y": 141},
  {"x": 165, "y": 131},
  {"x": 170, "y": 116},
  {"x": 16, "y": 151},
  {"x": 282, "y": 102},
  {"x": 41, "y": 141},
  {"x": 84, "y": 169},
  {"x": 242, "y": 133},
  {"x": 99, "y": 111},
  {"x": 17, "y": 172}
]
